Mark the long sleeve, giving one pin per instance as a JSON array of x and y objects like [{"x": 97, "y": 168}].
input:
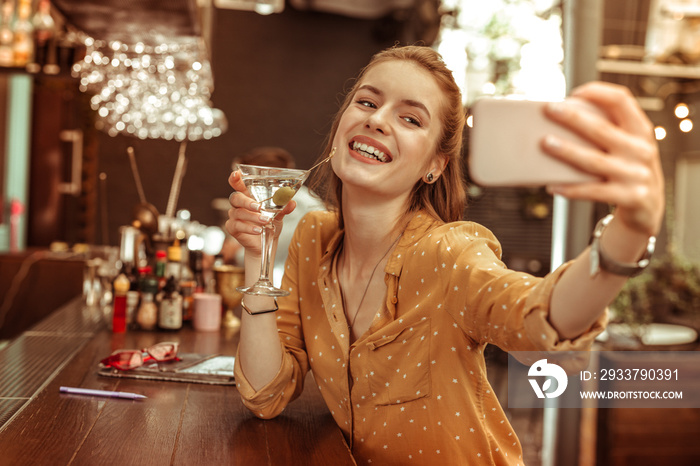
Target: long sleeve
[
  {"x": 287, "y": 385},
  {"x": 500, "y": 306}
]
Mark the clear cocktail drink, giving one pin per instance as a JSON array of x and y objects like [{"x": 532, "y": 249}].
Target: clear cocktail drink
[{"x": 272, "y": 188}]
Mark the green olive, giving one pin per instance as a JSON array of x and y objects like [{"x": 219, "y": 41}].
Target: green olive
[{"x": 283, "y": 195}]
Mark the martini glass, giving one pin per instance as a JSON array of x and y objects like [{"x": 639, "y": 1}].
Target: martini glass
[{"x": 272, "y": 188}]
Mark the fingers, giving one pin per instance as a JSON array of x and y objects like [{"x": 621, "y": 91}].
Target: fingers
[
  {"x": 240, "y": 197},
  {"x": 289, "y": 208},
  {"x": 611, "y": 120},
  {"x": 606, "y": 115},
  {"x": 595, "y": 162},
  {"x": 588, "y": 122},
  {"x": 244, "y": 217},
  {"x": 636, "y": 206},
  {"x": 279, "y": 218},
  {"x": 248, "y": 216},
  {"x": 599, "y": 192},
  {"x": 623, "y": 153},
  {"x": 619, "y": 104},
  {"x": 241, "y": 221},
  {"x": 240, "y": 200},
  {"x": 235, "y": 180}
]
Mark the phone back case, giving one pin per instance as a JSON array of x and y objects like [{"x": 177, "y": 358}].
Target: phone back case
[{"x": 504, "y": 145}]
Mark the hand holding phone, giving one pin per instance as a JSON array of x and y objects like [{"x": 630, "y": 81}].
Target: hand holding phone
[{"x": 505, "y": 144}]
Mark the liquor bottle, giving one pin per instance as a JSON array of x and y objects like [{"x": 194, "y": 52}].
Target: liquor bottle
[
  {"x": 147, "y": 314},
  {"x": 133, "y": 296},
  {"x": 170, "y": 307},
  {"x": 23, "y": 38},
  {"x": 44, "y": 40},
  {"x": 161, "y": 262},
  {"x": 197, "y": 266},
  {"x": 173, "y": 268},
  {"x": 144, "y": 272},
  {"x": 7, "y": 55},
  {"x": 121, "y": 286},
  {"x": 187, "y": 292}
]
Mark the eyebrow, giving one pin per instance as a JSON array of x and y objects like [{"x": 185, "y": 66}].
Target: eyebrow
[{"x": 411, "y": 102}]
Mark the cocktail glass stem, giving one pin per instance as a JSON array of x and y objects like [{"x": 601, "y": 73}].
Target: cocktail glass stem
[
  {"x": 266, "y": 240},
  {"x": 272, "y": 188},
  {"x": 264, "y": 285}
]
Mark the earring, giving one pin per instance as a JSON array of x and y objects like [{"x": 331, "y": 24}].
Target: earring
[{"x": 429, "y": 177}]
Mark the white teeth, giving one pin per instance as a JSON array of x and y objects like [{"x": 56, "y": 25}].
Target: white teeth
[{"x": 370, "y": 152}]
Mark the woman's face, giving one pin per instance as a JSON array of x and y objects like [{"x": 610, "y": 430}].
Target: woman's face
[{"x": 387, "y": 137}]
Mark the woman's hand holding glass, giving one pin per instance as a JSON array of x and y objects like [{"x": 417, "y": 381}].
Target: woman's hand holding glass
[
  {"x": 245, "y": 221},
  {"x": 626, "y": 158}
]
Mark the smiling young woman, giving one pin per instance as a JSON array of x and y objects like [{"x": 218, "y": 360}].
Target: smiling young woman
[
  {"x": 445, "y": 197},
  {"x": 399, "y": 355}
]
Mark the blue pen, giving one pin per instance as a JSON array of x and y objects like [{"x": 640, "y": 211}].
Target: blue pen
[{"x": 87, "y": 391}]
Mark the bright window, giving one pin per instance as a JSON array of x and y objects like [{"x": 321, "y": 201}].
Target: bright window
[{"x": 500, "y": 47}]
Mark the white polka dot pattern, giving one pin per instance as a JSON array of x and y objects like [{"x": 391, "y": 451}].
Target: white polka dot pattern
[{"x": 419, "y": 392}]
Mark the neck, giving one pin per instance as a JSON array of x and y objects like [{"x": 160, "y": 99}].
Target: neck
[{"x": 370, "y": 229}]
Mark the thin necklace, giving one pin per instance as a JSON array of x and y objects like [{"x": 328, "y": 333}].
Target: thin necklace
[{"x": 342, "y": 292}]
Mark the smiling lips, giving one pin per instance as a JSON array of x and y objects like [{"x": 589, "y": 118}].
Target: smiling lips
[{"x": 370, "y": 152}]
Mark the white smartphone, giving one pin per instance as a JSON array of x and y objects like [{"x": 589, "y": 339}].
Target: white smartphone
[{"x": 505, "y": 144}]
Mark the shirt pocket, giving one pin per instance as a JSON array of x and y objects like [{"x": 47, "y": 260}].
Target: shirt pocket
[{"x": 399, "y": 365}]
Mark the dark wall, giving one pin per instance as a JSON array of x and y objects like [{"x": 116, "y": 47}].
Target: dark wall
[{"x": 279, "y": 80}]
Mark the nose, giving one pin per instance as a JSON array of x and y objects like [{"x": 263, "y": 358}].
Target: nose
[{"x": 378, "y": 121}]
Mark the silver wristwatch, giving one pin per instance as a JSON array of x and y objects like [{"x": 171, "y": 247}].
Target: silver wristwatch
[{"x": 599, "y": 261}]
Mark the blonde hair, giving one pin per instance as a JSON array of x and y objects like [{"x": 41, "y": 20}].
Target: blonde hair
[{"x": 446, "y": 198}]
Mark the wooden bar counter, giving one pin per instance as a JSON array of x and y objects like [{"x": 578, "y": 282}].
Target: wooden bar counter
[{"x": 179, "y": 423}]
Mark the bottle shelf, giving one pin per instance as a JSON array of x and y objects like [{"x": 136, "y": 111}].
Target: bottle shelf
[
  {"x": 50, "y": 73},
  {"x": 648, "y": 69}
]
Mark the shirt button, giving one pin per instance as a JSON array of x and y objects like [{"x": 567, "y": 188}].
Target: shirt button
[{"x": 394, "y": 300}]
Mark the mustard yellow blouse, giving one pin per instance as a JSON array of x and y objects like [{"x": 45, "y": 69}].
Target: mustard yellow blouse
[{"x": 420, "y": 393}]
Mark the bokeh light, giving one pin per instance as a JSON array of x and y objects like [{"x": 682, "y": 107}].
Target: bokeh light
[
  {"x": 681, "y": 110},
  {"x": 686, "y": 125},
  {"x": 660, "y": 133},
  {"x": 151, "y": 90}
]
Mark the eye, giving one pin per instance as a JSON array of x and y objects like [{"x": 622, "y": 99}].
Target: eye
[
  {"x": 365, "y": 103},
  {"x": 413, "y": 121}
]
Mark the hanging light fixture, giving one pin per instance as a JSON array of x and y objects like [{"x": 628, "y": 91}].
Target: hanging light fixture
[{"x": 151, "y": 90}]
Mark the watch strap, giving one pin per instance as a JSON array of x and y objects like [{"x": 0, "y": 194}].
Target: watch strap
[
  {"x": 600, "y": 261},
  {"x": 255, "y": 313}
]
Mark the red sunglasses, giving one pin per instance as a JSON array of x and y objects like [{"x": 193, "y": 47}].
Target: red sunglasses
[{"x": 131, "y": 359}]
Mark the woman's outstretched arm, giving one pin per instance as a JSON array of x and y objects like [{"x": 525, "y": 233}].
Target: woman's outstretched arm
[{"x": 626, "y": 159}]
